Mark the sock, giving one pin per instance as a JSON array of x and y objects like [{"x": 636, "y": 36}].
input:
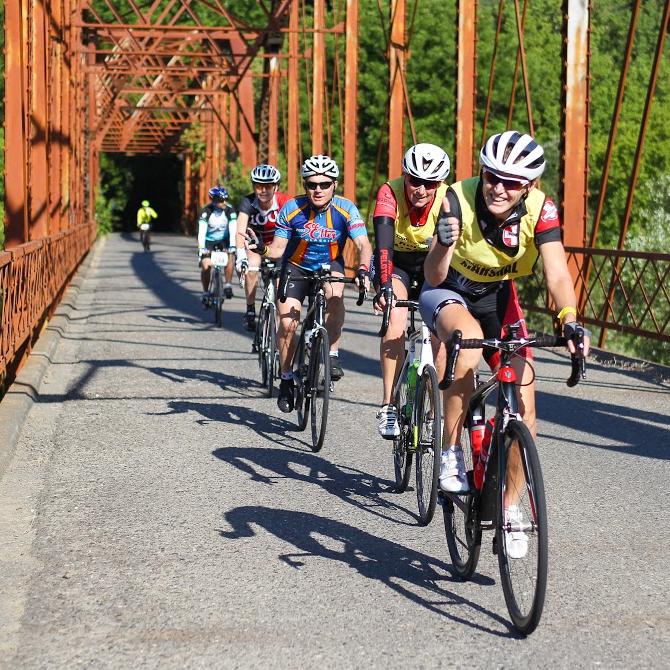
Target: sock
[
  {"x": 334, "y": 354},
  {"x": 251, "y": 309},
  {"x": 287, "y": 375}
]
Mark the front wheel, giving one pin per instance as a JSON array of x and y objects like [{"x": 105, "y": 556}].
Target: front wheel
[
  {"x": 402, "y": 456},
  {"x": 320, "y": 387},
  {"x": 218, "y": 300},
  {"x": 461, "y": 522},
  {"x": 428, "y": 436},
  {"x": 301, "y": 381},
  {"x": 521, "y": 530},
  {"x": 269, "y": 350}
]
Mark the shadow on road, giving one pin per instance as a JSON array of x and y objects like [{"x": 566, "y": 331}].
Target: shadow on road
[
  {"x": 353, "y": 486},
  {"x": 414, "y": 575}
]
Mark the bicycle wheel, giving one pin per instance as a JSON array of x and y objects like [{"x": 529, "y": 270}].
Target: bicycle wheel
[
  {"x": 428, "y": 433},
  {"x": 300, "y": 371},
  {"x": 402, "y": 456},
  {"x": 218, "y": 300},
  {"x": 262, "y": 338},
  {"x": 521, "y": 531},
  {"x": 320, "y": 387},
  {"x": 461, "y": 523},
  {"x": 270, "y": 350}
]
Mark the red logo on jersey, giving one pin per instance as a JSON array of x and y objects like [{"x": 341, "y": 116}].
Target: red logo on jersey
[
  {"x": 510, "y": 236},
  {"x": 316, "y": 232},
  {"x": 549, "y": 211}
]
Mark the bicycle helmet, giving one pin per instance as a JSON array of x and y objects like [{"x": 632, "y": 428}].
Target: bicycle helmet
[
  {"x": 265, "y": 174},
  {"x": 426, "y": 161},
  {"x": 145, "y": 203},
  {"x": 218, "y": 193},
  {"x": 320, "y": 164},
  {"x": 513, "y": 154}
]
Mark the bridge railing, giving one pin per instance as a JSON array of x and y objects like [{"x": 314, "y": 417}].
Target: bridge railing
[
  {"x": 623, "y": 292},
  {"x": 32, "y": 279}
]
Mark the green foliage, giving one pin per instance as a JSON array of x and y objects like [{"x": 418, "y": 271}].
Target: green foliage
[
  {"x": 194, "y": 138},
  {"x": 111, "y": 198}
]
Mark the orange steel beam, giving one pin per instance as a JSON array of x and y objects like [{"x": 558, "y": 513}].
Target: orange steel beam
[
  {"x": 273, "y": 112},
  {"x": 292, "y": 157},
  {"x": 397, "y": 57},
  {"x": 318, "y": 77},
  {"x": 466, "y": 90},
  {"x": 350, "y": 100}
]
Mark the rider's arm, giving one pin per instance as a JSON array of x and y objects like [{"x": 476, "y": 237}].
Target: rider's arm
[
  {"x": 383, "y": 221},
  {"x": 242, "y": 221},
  {"x": 276, "y": 249},
  {"x": 436, "y": 265},
  {"x": 232, "y": 229},
  {"x": 202, "y": 232}
]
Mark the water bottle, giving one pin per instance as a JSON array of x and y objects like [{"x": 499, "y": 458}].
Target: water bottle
[
  {"x": 412, "y": 374},
  {"x": 480, "y": 466},
  {"x": 476, "y": 437}
]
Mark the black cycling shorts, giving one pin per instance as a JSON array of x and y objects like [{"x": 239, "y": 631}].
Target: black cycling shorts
[{"x": 300, "y": 289}]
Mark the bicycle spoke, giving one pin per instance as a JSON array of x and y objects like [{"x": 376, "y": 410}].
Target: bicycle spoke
[{"x": 428, "y": 451}]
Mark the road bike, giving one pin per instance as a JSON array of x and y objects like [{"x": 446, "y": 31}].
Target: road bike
[
  {"x": 216, "y": 292},
  {"x": 506, "y": 486},
  {"x": 265, "y": 334},
  {"x": 311, "y": 362},
  {"x": 145, "y": 236},
  {"x": 417, "y": 402}
]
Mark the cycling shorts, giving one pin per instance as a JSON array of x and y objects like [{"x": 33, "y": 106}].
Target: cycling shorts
[
  {"x": 492, "y": 311},
  {"x": 407, "y": 271},
  {"x": 300, "y": 289}
]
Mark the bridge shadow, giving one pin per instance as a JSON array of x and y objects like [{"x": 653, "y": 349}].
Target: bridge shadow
[
  {"x": 353, "y": 486},
  {"x": 416, "y": 576},
  {"x": 632, "y": 431}
]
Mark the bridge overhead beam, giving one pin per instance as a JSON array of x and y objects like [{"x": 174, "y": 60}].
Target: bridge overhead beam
[
  {"x": 466, "y": 89},
  {"x": 397, "y": 102}
]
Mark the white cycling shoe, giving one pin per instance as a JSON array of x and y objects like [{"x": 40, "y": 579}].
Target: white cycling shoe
[
  {"x": 516, "y": 541},
  {"x": 453, "y": 477},
  {"x": 387, "y": 422}
]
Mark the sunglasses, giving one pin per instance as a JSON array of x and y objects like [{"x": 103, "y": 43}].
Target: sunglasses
[
  {"x": 508, "y": 184},
  {"x": 427, "y": 184},
  {"x": 323, "y": 185}
]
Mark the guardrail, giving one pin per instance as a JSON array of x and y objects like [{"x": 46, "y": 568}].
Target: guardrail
[
  {"x": 33, "y": 277},
  {"x": 623, "y": 292}
]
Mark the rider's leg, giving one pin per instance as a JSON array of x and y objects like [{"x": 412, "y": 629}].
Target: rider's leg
[
  {"x": 392, "y": 345},
  {"x": 205, "y": 273},
  {"x": 251, "y": 278},
  {"x": 289, "y": 317},
  {"x": 335, "y": 312}
]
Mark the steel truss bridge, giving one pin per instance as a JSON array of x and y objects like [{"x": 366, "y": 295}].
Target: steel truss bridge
[{"x": 84, "y": 77}]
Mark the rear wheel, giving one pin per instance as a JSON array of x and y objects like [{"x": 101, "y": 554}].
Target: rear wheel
[
  {"x": 218, "y": 300},
  {"x": 320, "y": 388},
  {"x": 521, "y": 532},
  {"x": 402, "y": 456},
  {"x": 461, "y": 523},
  {"x": 428, "y": 434}
]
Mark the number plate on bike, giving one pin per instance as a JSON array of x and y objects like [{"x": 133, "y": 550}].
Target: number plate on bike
[{"x": 219, "y": 258}]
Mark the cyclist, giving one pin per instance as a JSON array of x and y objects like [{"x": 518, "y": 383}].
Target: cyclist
[
  {"x": 216, "y": 230},
  {"x": 404, "y": 220},
  {"x": 311, "y": 231},
  {"x": 145, "y": 215},
  {"x": 259, "y": 211},
  {"x": 506, "y": 223}
]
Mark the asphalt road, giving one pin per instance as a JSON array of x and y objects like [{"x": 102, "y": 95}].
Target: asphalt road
[{"x": 159, "y": 511}]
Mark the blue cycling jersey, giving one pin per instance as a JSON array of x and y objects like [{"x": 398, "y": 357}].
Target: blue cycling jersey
[{"x": 316, "y": 238}]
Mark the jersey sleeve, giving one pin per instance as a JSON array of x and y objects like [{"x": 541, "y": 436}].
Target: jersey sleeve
[
  {"x": 246, "y": 207},
  {"x": 283, "y": 226},
  {"x": 386, "y": 204},
  {"x": 548, "y": 226},
  {"x": 356, "y": 224}
]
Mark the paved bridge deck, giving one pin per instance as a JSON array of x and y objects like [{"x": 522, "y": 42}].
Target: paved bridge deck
[{"x": 160, "y": 512}]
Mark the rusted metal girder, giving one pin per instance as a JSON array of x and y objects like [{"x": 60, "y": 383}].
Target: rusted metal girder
[
  {"x": 397, "y": 55},
  {"x": 292, "y": 156},
  {"x": 318, "y": 77},
  {"x": 350, "y": 101},
  {"x": 466, "y": 90}
]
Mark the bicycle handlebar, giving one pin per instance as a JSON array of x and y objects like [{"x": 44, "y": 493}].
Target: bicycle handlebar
[
  {"x": 578, "y": 363},
  {"x": 386, "y": 314},
  {"x": 321, "y": 278}
]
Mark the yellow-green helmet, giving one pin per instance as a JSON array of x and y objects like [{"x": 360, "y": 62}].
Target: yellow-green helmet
[{"x": 145, "y": 203}]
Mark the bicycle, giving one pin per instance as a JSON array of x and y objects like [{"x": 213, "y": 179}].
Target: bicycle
[
  {"x": 416, "y": 398},
  {"x": 311, "y": 362},
  {"x": 506, "y": 473},
  {"x": 216, "y": 284},
  {"x": 145, "y": 236},
  {"x": 265, "y": 334}
]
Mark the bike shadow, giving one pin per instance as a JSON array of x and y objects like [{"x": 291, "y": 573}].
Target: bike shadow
[
  {"x": 416, "y": 576},
  {"x": 353, "y": 486}
]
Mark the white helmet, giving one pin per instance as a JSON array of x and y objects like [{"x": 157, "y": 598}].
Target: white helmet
[
  {"x": 265, "y": 174},
  {"x": 512, "y": 154},
  {"x": 426, "y": 161},
  {"x": 320, "y": 164}
]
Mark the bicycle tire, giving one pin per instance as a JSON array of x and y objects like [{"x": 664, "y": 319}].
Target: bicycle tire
[
  {"x": 428, "y": 433},
  {"x": 320, "y": 388},
  {"x": 218, "y": 301},
  {"x": 402, "y": 456},
  {"x": 524, "y": 579},
  {"x": 270, "y": 351},
  {"x": 461, "y": 522},
  {"x": 300, "y": 372},
  {"x": 261, "y": 329}
]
